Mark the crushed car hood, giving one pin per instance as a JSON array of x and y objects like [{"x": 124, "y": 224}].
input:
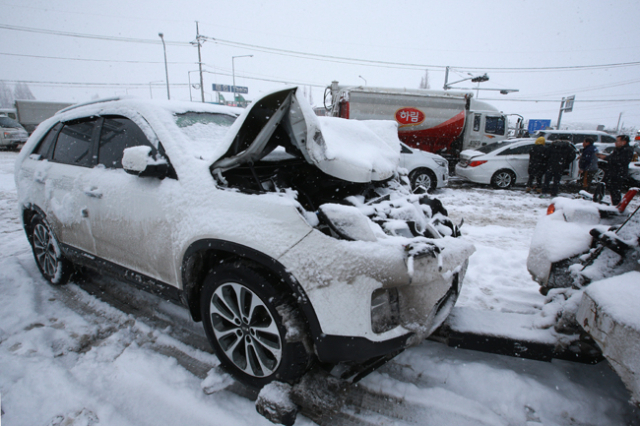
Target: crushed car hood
[{"x": 350, "y": 150}]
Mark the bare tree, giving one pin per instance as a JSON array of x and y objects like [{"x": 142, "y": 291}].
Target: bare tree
[
  {"x": 6, "y": 96},
  {"x": 22, "y": 91},
  {"x": 424, "y": 82}
]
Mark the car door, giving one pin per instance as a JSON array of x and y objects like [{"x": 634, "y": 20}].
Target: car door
[
  {"x": 129, "y": 222},
  {"x": 518, "y": 158},
  {"x": 65, "y": 183}
]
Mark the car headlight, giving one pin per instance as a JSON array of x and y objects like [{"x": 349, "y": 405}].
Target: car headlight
[
  {"x": 385, "y": 310},
  {"x": 346, "y": 222},
  {"x": 442, "y": 163}
]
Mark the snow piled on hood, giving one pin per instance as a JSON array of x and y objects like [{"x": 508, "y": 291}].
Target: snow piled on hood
[{"x": 371, "y": 149}]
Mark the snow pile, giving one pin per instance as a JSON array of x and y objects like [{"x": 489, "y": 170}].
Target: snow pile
[
  {"x": 562, "y": 234},
  {"x": 619, "y": 298},
  {"x": 609, "y": 312}
]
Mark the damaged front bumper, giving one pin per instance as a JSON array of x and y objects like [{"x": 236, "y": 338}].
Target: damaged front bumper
[{"x": 374, "y": 298}]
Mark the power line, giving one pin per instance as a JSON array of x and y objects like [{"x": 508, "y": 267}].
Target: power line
[
  {"x": 93, "y": 60},
  {"x": 315, "y": 56}
]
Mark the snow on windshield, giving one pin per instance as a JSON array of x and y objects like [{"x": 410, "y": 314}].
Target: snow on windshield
[{"x": 204, "y": 130}]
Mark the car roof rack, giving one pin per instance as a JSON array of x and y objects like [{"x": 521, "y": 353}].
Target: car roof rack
[{"x": 97, "y": 101}]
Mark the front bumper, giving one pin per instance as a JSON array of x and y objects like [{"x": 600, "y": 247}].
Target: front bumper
[{"x": 340, "y": 277}]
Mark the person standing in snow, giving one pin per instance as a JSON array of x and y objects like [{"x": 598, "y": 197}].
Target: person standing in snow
[
  {"x": 618, "y": 167},
  {"x": 560, "y": 154},
  {"x": 537, "y": 165},
  {"x": 588, "y": 163}
]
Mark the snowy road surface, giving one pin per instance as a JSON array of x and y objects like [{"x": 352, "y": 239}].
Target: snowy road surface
[{"x": 74, "y": 355}]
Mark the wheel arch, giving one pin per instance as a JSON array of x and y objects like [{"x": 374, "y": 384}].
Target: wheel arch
[
  {"x": 202, "y": 255},
  {"x": 28, "y": 212}
]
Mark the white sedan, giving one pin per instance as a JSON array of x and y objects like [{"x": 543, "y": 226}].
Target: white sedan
[
  {"x": 502, "y": 164},
  {"x": 424, "y": 168}
]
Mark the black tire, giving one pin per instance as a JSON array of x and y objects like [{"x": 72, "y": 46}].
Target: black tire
[
  {"x": 228, "y": 291},
  {"x": 503, "y": 179},
  {"x": 53, "y": 266},
  {"x": 423, "y": 177}
]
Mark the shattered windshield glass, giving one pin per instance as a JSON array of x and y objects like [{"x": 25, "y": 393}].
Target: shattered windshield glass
[{"x": 205, "y": 130}]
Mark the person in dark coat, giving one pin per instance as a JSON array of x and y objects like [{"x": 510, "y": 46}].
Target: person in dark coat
[
  {"x": 618, "y": 168},
  {"x": 537, "y": 165},
  {"x": 560, "y": 154},
  {"x": 588, "y": 163}
]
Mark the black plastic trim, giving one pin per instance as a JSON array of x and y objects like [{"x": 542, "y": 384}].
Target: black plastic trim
[
  {"x": 141, "y": 281},
  {"x": 335, "y": 349}
]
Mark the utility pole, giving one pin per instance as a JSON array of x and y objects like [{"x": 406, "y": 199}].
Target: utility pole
[
  {"x": 618, "y": 126},
  {"x": 198, "y": 38},
  {"x": 166, "y": 68}
]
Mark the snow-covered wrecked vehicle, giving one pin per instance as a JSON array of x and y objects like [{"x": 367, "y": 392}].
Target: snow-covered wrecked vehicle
[
  {"x": 292, "y": 237},
  {"x": 580, "y": 241}
]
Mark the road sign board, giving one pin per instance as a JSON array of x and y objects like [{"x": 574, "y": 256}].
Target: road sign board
[
  {"x": 568, "y": 103},
  {"x": 535, "y": 125},
  {"x": 229, "y": 88}
]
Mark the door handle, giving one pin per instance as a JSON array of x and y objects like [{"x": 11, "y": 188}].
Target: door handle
[{"x": 93, "y": 192}]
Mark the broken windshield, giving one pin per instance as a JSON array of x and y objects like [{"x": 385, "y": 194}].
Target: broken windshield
[{"x": 205, "y": 130}]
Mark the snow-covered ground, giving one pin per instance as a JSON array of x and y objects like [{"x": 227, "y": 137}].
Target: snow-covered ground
[{"x": 69, "y": 357}]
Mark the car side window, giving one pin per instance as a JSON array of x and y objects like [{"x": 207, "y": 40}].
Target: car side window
[
  {"x": 405, "y": 150},
  {"x": 607, "y": 139},
  {"x": 117, "y": 134},
  {"x": 74, "y": 144},
  {"x": 44, "y": 147},
  {"x": 519, "y": 150}
]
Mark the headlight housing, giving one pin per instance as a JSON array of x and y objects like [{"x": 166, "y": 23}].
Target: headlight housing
[
  {"x": 441, "y": 162},
  {"x": 385, "y": 310}
]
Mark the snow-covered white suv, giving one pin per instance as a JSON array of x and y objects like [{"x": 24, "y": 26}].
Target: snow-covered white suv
[{"x": 289, "y": 235}]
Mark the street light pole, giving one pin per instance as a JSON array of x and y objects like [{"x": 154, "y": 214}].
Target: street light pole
[
  {"x": 233, "y": 72},
  {"x": 365, "y": 80},
  {"x": 166, "y": 68}
]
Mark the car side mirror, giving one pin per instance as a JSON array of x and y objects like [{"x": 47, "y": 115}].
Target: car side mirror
[{"x": 137, "y": 160}]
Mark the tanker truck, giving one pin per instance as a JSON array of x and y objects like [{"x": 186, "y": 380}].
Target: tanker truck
[{"x": 442, "y": 122}]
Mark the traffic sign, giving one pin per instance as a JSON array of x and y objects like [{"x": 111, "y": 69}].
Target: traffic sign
[
  {"x": 568, "y": 103},
  {"x": 230, "y": 88},
  {"x": 535, "y": 125}
]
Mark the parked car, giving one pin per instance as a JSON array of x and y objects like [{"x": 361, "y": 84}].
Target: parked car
[
  {"x": 425, "y": 169},
  {"x": 502, "y": 164},
  {"x": 318, "y": 256},
  {"x": 12, "y": 134}
]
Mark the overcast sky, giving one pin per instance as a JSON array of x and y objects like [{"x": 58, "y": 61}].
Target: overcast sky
[{"x": 474, "y": 37}]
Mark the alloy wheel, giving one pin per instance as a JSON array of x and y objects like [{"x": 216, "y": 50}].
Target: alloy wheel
[
  {"x": 44, "y": 249},
  {"x": 246, "y": 329},
  {"x": 423, "y": 179},
  {"x": 503, "y": 180}
]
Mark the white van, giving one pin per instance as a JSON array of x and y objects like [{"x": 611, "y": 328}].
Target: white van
[{"x": 576, "y": 136}]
